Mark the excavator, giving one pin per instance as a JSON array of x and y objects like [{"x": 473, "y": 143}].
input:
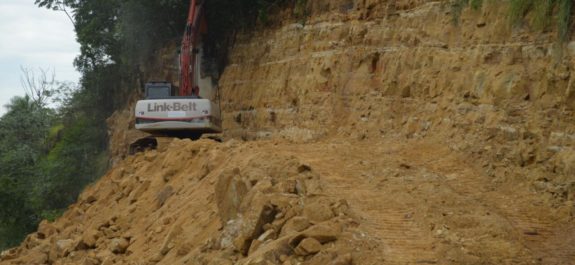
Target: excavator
[{"x": 190, "y": 110}]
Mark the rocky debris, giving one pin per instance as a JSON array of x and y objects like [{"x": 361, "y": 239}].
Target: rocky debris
[
  {"x": 90, "y": 261},
  {"x": 295, "y": 224},
  {"x": 90, "y": 199},
  {"x": 64, "y": 247},
  {"x": 46, "y": 229},
  {"x": 325, "y": 232},
  {"x": 169, "y": 242},
  {"x": 345, "y": 259},
  {"x": 307, "y": 246},
  {"x": 9, "y": 254},
  {"x": 90, "y": 238},
  {"x": 230, "y": 189},
  {"x": 141, "y": 189},
  {"x": 268, "y": 216},
  {"x": 119, "y": 245},
  {"x": 318, "y": 210}
]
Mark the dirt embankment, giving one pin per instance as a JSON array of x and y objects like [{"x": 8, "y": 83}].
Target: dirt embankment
[
  {"x": 203, "y": 203},
  {"x": 377, "y": 133},
  {"x": 337, "y": 201}
]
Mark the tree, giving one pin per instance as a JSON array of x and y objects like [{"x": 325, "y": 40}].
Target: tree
[
  {"x": 59, "y": 5},
  {"x": 22, "y": 132},
  {"x": 40, "y": 85}
]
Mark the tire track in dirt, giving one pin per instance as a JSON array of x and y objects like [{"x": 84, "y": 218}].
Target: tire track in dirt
[
  {"x": 388, "y": 202},
  {"x": 531, "y": 222},
  {"x": 385, "y": 218}
]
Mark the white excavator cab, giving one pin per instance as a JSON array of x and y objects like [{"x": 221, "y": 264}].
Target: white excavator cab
[{"x": 162, "y": 113}]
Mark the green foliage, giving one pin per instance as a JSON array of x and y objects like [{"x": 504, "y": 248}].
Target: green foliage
[
  {"x": 457, "y": 7},
  {"x": 518, "y": 9},
  {"x": 226, "y": 17},
  {"x": 564, "y": 15},
  {"x": 52, "y": 215},
  {"x": 55, "y": 4},
  {"x": 46, "y": 159},
  {"x": 300, "y": 10},
  {"x": 69, "y": 165},
  {"x": 22, "y": 132},
  {"x": 475, "y": 4},
  {"x": 164, "y": 21},
  {"x": 542, "y": 10},
  {"x": 542, "y": 13}
]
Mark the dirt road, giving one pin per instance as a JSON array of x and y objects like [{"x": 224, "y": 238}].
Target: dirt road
[{"x": 428, "y": 204}]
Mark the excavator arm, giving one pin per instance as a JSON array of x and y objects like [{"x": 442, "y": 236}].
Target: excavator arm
[{"x": 195, "y": 25}]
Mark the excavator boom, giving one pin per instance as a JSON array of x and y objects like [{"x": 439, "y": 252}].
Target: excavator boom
[{"x": 187, "y": 53}]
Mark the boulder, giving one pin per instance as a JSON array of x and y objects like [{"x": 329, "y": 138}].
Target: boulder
[
  {"x": 231, "y": 189},
  {"x": 119, "y": 245},
  {"x": 294, "y": 225},
  {"x": 252, "y": 225},
  {"x": 324, "y": 233},
  {"x": 9, "y": 254},
  {"x": 308, "y": 246},
  {"x": 345, "y": 259},
  {"x": 46, "y": 229},
  {"x": 64, "y": 247},
  {"x": 36, "y": 257},
  {"x": 318, "y": 210},
  {"x": 90, "y": 238}
]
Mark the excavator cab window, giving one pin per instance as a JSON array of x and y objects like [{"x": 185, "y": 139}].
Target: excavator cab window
[{"x": 158, "y": 90}]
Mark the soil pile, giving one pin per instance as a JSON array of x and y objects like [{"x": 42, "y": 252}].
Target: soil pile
[{"x": 203, "y": 203}]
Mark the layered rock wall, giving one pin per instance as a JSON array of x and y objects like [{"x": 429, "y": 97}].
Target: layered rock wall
[{"x": 377, "y": 69}]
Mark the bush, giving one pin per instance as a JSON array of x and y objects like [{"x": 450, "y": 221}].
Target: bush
[{"x": 542, "y": 13}]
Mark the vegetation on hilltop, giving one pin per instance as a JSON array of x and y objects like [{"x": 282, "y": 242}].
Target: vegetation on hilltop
[
  {"x": 49, "y": 155},
  {"x": 540, "y": 14}
]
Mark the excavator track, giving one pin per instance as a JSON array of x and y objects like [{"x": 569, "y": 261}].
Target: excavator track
[
  {"x": 160, "y": 142},
  {"x": 143, "y": 144}
]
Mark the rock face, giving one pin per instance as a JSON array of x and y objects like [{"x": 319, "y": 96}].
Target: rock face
[
  {"x": 375, "y": 69},
  {"x": 332, "y": 69}
]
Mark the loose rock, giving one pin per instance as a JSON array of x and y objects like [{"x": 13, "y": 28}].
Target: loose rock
[
  {"x": 308, "y": 246},
  {"x": 119, "y": 245}
]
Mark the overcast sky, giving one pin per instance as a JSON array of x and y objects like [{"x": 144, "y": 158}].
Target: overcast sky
[{"x": 33, "y": 37}]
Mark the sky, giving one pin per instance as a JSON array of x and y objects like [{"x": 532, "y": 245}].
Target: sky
[{"x": 33, "y": 37}]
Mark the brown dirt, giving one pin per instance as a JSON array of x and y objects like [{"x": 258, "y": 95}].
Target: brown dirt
[{"x": 398, "y": 202}]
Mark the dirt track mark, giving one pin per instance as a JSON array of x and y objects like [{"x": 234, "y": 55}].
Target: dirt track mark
[{"x": 424, "y": 202}]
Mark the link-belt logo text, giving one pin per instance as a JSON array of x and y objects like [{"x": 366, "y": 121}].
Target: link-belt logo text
[{"x": 191, "y": 106}]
